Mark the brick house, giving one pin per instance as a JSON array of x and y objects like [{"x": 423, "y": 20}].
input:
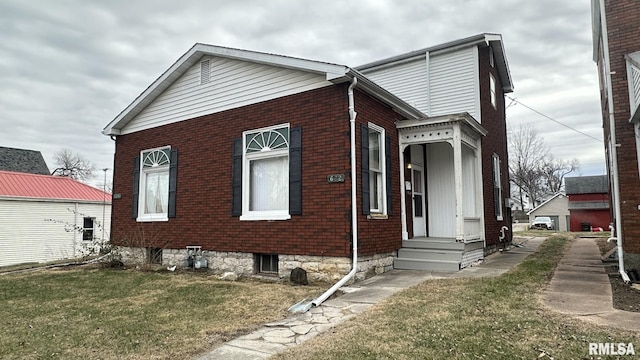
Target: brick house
[
  {"x": 269, "y": 162},
  {"x": 616, "y": 50}
]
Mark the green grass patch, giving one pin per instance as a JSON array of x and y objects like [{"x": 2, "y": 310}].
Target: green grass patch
[
  {"x": 115, "y": 314},
  {"x": 486, "y": 318}
]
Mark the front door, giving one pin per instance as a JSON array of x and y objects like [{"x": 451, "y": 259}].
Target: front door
[{"x": 417, "y": 180}]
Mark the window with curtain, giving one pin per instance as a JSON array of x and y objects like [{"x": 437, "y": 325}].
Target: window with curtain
[
  {"x": 266, "y": 174},
  {"x": 154, "y": 184},
  {"x": 375, "y": 171},
  {"x": 492, "y": 88}
]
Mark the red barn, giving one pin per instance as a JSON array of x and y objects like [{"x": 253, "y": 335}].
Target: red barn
[{"x": 588, "y": 203}]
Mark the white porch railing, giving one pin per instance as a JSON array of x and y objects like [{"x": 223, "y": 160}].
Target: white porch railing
[{"x": 472, "y": 229}]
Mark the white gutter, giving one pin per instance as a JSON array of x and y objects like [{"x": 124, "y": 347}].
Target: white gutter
[
  {"x": 354, "y": 207},
  {"x": 613, "y": 146}
]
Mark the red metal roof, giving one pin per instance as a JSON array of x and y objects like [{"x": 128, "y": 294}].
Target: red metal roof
[{"x": 13, "y": 184}]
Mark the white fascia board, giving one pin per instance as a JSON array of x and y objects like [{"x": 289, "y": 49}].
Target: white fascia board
[
  {"x": 193, "y": 55},
  {"x": 464, "y": 118}
]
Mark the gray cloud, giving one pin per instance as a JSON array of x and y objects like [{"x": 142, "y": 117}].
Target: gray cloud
[{"x": 69, "y": 67}]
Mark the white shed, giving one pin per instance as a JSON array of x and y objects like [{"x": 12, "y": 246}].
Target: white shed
[{"x": 46, "y": 218}]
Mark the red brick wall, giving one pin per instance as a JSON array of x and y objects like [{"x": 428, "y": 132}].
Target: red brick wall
[
  {"x": 204, "y": 147},
  {"x": 379, "y": 235},
  {"x": 493, "y": 120},
  {"x": 624, "y": 38}
]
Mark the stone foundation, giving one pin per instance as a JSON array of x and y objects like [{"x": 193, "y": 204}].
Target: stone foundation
[{"x": 318, "y": 268}]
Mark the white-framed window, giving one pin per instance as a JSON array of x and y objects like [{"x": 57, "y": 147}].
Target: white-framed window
[
  {"x": 153, "y": 203},
  {"x": 492, "y": 88},
  {"x": 265, "y": 173},
  {"x": 377, "y": 169},
  {"x": 497, "y": 187},
  {"x": 87, "y": 228}
]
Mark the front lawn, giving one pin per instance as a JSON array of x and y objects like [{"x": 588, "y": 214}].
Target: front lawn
[
  {"x": 489, "y": 318},
  {"x": 116, "y": 314}
]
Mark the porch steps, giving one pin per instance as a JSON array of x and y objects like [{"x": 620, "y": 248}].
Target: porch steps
[
  {"x": 431, "y": 265},
  {"x": 432, "y": 254}
]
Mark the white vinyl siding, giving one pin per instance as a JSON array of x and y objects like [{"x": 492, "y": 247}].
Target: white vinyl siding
[
  {"x": 232, "y": 84},
  {"x": 407, "y": 81},
  {"x": 453, "y": 83},
  {"x": 27, "y": 236}
]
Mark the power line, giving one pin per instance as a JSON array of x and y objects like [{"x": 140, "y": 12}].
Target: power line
[{"x": 552, "y": 119}]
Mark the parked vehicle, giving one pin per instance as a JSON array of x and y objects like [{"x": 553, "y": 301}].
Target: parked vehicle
[{"x": 542, "y": 222}]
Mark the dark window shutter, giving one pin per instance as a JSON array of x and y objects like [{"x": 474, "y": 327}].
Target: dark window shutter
[
  {"x": 389, "y": 176},
  {"x": 236, "y": 179},
  {"x": 173, "y": 179},
  {"x": 136, "y": 187},
  {"x": 366, "y": 203},
  {"x": 295, "y": 171}
]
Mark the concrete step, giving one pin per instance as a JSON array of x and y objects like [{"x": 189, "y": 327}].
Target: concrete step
[
  {"x": 433, "y": 243},
  {"x": 430, "y": 254},
  {"x": 429, "y": 265}
]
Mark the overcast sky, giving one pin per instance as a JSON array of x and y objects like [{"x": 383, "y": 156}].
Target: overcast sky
[{"x": 68, "y": 67}]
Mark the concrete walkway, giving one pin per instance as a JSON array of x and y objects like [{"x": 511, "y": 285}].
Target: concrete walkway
[
  {"x": 580, "y": 287},
  {"x": 278, "y": 336}
]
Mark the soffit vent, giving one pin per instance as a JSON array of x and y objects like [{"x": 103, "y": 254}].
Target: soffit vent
[{"x": 204, "y": 71}]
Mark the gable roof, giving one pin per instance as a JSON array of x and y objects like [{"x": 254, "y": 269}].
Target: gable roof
[
  {"x": 332, "y": 72},
  {"x": 546, "y": 202},
  {"x": 40, "y": 187},
  {"x": 586, "y": 185},
  {"x": 22, "y": 160},
  {"x": 484, "y": 39}
]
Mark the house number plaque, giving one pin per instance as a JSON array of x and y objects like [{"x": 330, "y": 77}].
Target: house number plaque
[{"x": 335, "y": 178}]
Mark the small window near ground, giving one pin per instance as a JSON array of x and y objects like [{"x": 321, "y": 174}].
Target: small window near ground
[
  {"x": 87, "y": 228},
  {"x": 266, "y": 264},
  {"x": 154, "y": 255}
]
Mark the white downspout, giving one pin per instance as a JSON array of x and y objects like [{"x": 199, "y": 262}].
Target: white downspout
[
  {"x": 613, "y": 150},
  {"x": 354, "y": 207}
]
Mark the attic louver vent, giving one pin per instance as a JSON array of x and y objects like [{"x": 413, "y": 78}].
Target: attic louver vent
[{"x": 204, "y": 72}]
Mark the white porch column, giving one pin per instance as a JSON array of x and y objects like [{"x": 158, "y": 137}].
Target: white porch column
[
  {"x": 403, "y": 198},
  {"x": 457, "y": 171}
]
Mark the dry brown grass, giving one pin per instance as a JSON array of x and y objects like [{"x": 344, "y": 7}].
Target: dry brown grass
[{"x": 115, "y": 314}]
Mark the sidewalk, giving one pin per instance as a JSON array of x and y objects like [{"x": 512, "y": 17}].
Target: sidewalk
[
  {"x": 580, "y": 287},
  {"x": 278, "y": 336}
]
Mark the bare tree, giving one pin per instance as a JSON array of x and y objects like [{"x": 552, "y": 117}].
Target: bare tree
[
  {"x": 527, "y": 152},
  {"x": 553, "y": 172},
  {"x": 72, "y": 165},
  {"x": 532, "y": 169}
]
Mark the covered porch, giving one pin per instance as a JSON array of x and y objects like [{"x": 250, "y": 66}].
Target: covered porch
[{"x": 441, "y": 206}]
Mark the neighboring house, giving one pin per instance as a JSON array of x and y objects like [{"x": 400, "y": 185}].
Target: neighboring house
[
  {"x": 252, "y": 157},
  {"x": 21, "y": 160},
  {"x": 616, "y": 50},
  {"x": 45, "y": 218},
  {"x": 588, "y": 202},
  {"x": 555, "y": 207}
]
